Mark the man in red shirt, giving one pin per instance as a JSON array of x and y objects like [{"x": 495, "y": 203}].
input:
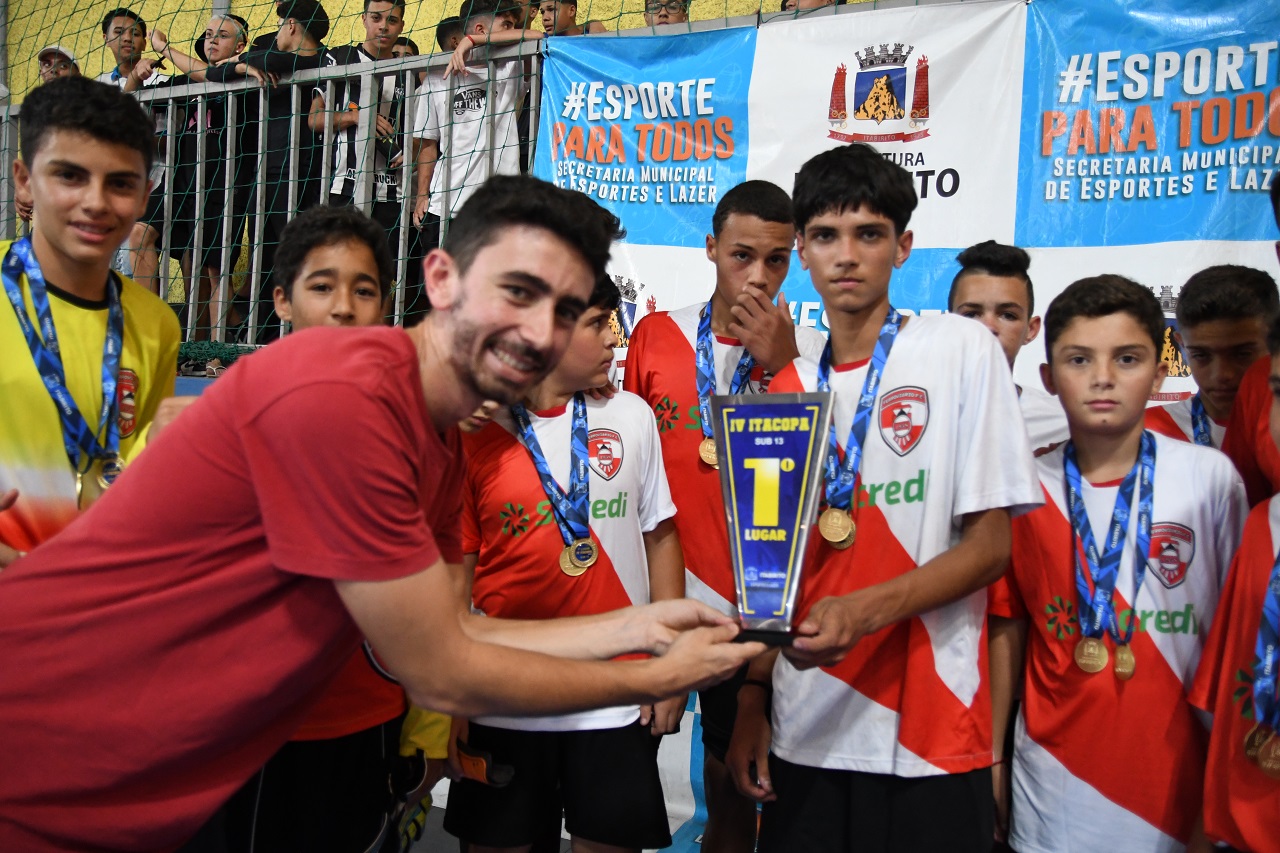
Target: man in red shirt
[{"x": 168, "y": 642}]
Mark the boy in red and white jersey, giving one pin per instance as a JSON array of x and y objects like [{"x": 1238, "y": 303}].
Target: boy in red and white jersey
[
  {"x": 1249, "y": 442},
  {"x": 1120, "y": 571},
  {"x": 993, "y": 287},
  {"x": 881, "y": 737},
  {"x": 1241, "y": 799},
  {"x": 1223, "y": 316},
  {"x": 566, "y": 511},
  {"x": 746, "y": 340}
]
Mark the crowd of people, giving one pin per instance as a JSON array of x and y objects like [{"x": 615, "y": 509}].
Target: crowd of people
[
  {"x": 274, "y": 616},
  {"x": 453, "y": 146}
]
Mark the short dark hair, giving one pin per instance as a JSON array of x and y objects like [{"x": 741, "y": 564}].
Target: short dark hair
[
  {"x": 605, "y": 294},
  {"x": 507, "y": 200},
  {"x": 849, "y": 177},
  {"x": 1227, "y": 292},
  {"x": 405, "y": 41},
  {"x": 80, "y": 105},
  {"x": 325, "y": 225},
  {"x": 473, "y": 9},
  {"x": 761, "y": 199},
  {"x": 1275, "y": 198},
  {"x": 395, "y": 4},
  {"x": 448, "y": 27},
  {"x": 996, "y": 259},
  {"x": 1100, "y": 296},
  {"x": 122, "y": 13},
  {"x": 310, "y": 14}
]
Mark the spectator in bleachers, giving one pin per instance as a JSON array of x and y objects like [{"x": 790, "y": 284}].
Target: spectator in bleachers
[
  {"x": 125, "y": 34},
  {"x": 449, "y": 33},
  {"x": 224, "y": 37},
  {"x": 464, "y": 124},
  {"x": 659, "y": 12},
  {"x": 560, "y": 18},
  {"x": 406, "y": 46},
  {"x": 297, "y": 47},
  {"x": 56, "y": 61},
  {"x": 383, "y": 22}
]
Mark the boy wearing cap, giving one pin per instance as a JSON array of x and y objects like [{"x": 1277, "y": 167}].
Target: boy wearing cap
[{"x": 56, "y": 61}]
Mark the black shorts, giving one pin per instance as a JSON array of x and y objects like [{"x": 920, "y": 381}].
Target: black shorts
[
  {"x": 605, "y": 780},
  {"x": 844, "y": 811},
  {"x": 322, "y": 796},
  {"x": 719, "y": 705}
]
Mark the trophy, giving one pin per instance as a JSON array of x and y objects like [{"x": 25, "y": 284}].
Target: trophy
[{"x": 772, "y": 449}]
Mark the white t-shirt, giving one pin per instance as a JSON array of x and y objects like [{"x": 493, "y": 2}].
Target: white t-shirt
[
  {"x": 457, "y": 113},
  {"x": 1175, "y": 421},
  {"x": 946, "y": 439},
  {"x": 508, "y": 523}
]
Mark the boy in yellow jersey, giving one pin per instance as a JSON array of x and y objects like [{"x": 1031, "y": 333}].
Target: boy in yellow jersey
[{"x": 85, "y": 354}]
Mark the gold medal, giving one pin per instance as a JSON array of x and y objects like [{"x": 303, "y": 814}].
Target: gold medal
[
  {"x": 707, "y": 452},
  {"x": 1268, "y": 759},
  {"x": 583, "y": 553},
  {"x": 566, "y": 563},
  {"x": 1124, "y": 662},
  {"x": 111, "y": 468},
  {"x": 837, "y": 527},
  {"x": 1091, "y": 655},
  {"x": 1253, "y": 741}
]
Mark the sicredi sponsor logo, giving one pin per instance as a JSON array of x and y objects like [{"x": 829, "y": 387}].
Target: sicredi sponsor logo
[{"x": 893, "y": 492}]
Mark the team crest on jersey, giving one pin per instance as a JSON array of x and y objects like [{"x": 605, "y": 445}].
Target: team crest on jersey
[
  {"x": 127, "y": 400},
  {"x": 1172, "y": 548},
  {"x": 604, "y": 450},
  {"x": 904, "y": 414}
]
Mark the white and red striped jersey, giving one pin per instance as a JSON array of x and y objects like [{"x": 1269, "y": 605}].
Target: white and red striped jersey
[
  {"x": 1102, "y": 763},
  {"x": 946, "y": 439},
  {"x": 508, "y": 523}
]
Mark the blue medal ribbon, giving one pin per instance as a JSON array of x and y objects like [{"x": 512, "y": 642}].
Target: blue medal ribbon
[
  {"x": 840, "y": 478},
  {"x": 707, "y": 370},
  {"x": 1200, "y": 423},
  {"x": 1096, "y": 607},
  {"x": 1266, "y": 705},
  {"x": 570, "y": 510},
  {"x": 82, "y": 443}
]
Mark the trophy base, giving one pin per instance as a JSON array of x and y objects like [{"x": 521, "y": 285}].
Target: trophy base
[{"x": 769, "y": 638}]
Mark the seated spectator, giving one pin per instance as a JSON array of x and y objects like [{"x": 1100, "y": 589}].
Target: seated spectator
[
  {"x": 660, "y": 12},
  {"x": 56, "y": 61},
  {"x": 560, "y": 18}
]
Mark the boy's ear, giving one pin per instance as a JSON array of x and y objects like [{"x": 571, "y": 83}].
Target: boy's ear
[
  {"x": 284, "y": 307},
  {"x": 21, "y": 176},
  {"x": 804, "y": 264},
  {"x": 1162, "y": 371},
  {"x": 905, "y": 242},
  {"x": 1033, "y": 331},
  {"x": 1046, "y": 379},
  {"x": 711, "y": 248}
]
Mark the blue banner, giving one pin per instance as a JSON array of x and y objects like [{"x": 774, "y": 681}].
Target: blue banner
[
  {"x": 1148, "y": 122},
  {"x": 658, "y": 153}
]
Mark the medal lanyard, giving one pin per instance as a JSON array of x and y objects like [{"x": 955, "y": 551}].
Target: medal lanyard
[
  {"x": 1097, "y": 610},
  {"x": 1200, "y": 423},
  {"x": 570, "y": 510},
  {"x": 840, "y": 478},
  {"x": 1266, "y": 708},
  {"x": 707, "y": 370},
  {"x": 78, "y": 438}
]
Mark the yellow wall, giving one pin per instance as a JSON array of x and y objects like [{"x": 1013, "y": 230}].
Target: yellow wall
[{"x": 76, "y": 24}]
